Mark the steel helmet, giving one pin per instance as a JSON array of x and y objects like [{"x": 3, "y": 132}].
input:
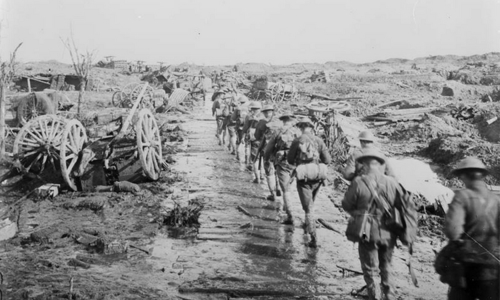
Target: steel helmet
[
  {"x": 255, "y": 105},
  {"x": 467, "y": 163},
  {"x": 267, "y": 107},
  {"x": 371, "y": 153},
  {"x": 366, "y": 136},
  {"x": 287, "y": 114},
  {"x": 305, "y": 120},
  {"x": 242, "y": 99}
]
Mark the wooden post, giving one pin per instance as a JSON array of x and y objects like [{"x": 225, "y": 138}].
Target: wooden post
[
  {"x": 133, "y": 110},
  {"x": 2, "y": 119},
  {"x": 29, "y": 85}
]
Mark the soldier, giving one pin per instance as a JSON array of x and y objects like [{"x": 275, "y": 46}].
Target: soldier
[
  {"x": 218, "y": 107},
  {"x": 376, "y": 248},
  {"x": 353, "y": 169},
  {"x": 230, "y": 121},
  {"x": 252, "y": 145},
  {"x": 239, "y": 115},
  {"x": 277, "y": 150},
  {"x": 308, "y": 149},
  {"x": 263, "y": 134},
  {"x": 473, "y": 221}
]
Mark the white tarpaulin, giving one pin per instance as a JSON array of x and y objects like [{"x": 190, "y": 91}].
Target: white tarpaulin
[{"x": 418, "y": 177}]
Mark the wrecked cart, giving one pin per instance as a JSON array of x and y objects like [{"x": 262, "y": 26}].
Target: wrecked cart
[{"x": 122, "y": 145}]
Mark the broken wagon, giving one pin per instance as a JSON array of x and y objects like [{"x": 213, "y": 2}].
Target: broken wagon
[{"x": 123, "y": 144}]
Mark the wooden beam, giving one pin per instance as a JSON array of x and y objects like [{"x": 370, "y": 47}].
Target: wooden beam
[{"x": 128, "y": 121}]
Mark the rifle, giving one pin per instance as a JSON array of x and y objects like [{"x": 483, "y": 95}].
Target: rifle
[{"x": 259, "y": 151}]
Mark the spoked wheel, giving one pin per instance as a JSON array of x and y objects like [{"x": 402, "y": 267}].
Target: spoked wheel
[
  {"x": 147, "y": 100},
  {"x": 37, "y": 144},
  {"x": 275, "y": 93},
  {"x": 149, "y": 144},
  {"x": 118, "y": 98},
  {"x": 72, "y": 142},
  {"x": 31, "y": 107}
]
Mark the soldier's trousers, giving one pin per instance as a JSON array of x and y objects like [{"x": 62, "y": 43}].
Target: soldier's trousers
[
  {"x": 307, "y": 194},
  {"x": 284, "y": 172},
  {"x": 377, "y": 259}
]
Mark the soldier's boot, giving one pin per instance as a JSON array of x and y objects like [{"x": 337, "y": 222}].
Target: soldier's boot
[
  {"x": 310, "y": 227},
  {"x": 387, "y": 292},
  {"x": 313, "y": 243},
  {"x": 256, "y": 172}
]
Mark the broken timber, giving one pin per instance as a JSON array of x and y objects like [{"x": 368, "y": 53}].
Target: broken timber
[
  {"x": 328, "y": 226},
  {"x": 411, "y": 114}
]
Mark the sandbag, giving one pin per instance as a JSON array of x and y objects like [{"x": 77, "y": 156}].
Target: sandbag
[{"x": 125, "y": 186}]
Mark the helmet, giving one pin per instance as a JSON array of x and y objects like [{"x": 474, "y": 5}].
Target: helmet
[
  {"x": 216, "y": 94},
  {"x": 242, "y": 99},
  {"x": 306, "y": 121},
  {"x": 255, "y": 105},
  {"x": 267, "y": 107},
  {"x": 470, "y": 163},
  {"x": 366, "y": 136},
  {"x": 371, "y": 153},
  {"x": 287, "y": 114}
]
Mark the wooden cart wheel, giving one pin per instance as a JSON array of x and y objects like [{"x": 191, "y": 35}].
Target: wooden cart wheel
[
  {"x": 147, "y": 99},
  {"x": 149, "y": 144},
  {"x": 276, "y": 92},
  {"x": 127, "y": 89},
  {"x": 37, "y": 144},
  {"x": 118, "y": 98},
  {"x": 31, "y": 107},
  {"x": 72, "y": 142}
]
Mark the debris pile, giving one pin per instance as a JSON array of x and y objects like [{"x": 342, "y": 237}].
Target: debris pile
[
  {"x": 464, "y": 112},
  {"x": 184, "y": 216}
]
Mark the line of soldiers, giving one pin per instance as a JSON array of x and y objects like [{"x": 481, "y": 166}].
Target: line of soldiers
[
  {"x": 273, "y": 151},
  {"x": 290, "y": 150}
]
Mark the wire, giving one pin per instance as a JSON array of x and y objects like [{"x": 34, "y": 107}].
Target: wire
[{"x": 492, "y": 255}]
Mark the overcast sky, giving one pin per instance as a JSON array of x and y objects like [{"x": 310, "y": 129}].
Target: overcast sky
[{"x": 268, "y": 31}]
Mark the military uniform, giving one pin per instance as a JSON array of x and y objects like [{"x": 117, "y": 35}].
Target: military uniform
[
  {"x": 217, "y": 111},
  {"x": 474, "y": 214},
  {"x": 249, "y": 128},
  {"x": 263, "y": 134},
  {"x": 277, "y": 152},
  {"x": 308, "y": 189},
  {"x": 375, "y": 254}
]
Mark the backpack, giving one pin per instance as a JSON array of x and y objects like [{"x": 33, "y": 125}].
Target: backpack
[
  {"x": 409, "y": 216},
  {"x": 308, "y": 151},
  {"x": 251, "y": 130},
  {"x": 223, "y": 110}
]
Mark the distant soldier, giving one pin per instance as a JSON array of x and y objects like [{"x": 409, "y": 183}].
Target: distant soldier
[
  {"x": 353, "y": 169},
  {"x": 239, "y": 116},
  {"x": 308, "y": 152},
  {"x": 472, "y": 220},
  {"x": 252, "y": 144},
  {"x": 277, "y": 151},
  {"x": 235, "y": 123},
  {"x": 220, "y": 111},
  {"x": 377, "y": 245},
  {"x": 263, "y": 134}
]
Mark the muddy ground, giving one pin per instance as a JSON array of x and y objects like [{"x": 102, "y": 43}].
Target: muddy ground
[{"x": 112, "y": 245}]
